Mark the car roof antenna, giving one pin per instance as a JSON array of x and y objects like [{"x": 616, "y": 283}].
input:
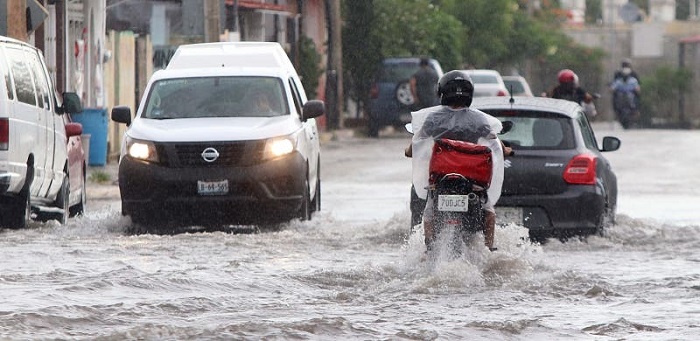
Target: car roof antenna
[{"x": 511, "y": 100}]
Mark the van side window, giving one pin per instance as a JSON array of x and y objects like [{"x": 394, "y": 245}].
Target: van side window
[
  {"x": 295, "y": 95},
  {"x": 40, "y": 81},
  {"x": 22, "y": 76},
  {"x": 4, "y": 69}
]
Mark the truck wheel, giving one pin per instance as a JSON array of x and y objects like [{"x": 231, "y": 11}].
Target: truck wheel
[{"x": 305, "y": 209}]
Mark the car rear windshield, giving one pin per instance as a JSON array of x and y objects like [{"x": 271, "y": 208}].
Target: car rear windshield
[
  {"x": 536, "y": 130},
  {"x": 516, "y": 86},
  {"x": 216, "y": 97},
  {"x": 484, "y": 79}
]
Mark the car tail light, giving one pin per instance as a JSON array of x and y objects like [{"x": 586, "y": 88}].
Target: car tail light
[
  {"x": 581, "y": 170},
  {"x": 4, "y": 133},
  {"x": 374, "y": 91},
  {"x": 502, "y": 93}
]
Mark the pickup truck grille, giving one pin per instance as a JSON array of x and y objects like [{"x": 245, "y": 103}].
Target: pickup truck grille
[{"x": 239, "y": 153}]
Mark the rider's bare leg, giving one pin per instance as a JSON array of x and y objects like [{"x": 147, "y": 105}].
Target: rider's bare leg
[
  {"x": 428, "y": 233},
  {"x": 489, "y": 228}
]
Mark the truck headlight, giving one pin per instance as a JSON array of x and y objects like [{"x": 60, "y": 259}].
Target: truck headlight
[
  {"x": 142, "y": 150},
  {"x": 280, "y": 146}
]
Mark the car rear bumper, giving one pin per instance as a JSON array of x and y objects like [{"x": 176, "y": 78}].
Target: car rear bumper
[
  {"x": 579, "y": 209},
  {"x": 272, "y": 189}
]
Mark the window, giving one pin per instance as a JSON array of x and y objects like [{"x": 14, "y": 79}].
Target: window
[
  {"x": 536, "y": 130},
  {"x": 296, "y": 97},
  {"x": 586, "y": 132},
  {"x": 4, "y": 69},
  {"x": 22, "y": 76},
  {"x": 216, "y": 97},
  {"x": 40, "y": 81}
]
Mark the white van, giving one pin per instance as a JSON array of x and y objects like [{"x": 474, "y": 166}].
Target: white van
[
  {"x": 224, "y": 133},
  {"x": 33, "y": 160}
]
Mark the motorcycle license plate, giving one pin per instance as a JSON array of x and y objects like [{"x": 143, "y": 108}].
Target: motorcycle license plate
[{"x": 453, "y": 203}]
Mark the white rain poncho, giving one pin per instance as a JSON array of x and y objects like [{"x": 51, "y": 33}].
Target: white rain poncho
[{"x": 463, "y": 124}]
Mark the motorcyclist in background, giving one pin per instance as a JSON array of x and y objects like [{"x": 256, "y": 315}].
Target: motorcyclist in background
[
  {"x": 453, "y": 119},
  {"x": 569, "y": 89},
  {"x": 626, "y": 92}
]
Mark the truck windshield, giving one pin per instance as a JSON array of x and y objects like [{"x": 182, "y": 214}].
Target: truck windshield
[{"x": 216, "y": 97}]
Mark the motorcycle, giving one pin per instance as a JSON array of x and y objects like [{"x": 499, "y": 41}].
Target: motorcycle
[
  {"x": 625, "y": 105},
  {"x": 460, "y": 173}
]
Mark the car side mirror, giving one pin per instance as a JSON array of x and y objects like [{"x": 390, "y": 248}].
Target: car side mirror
[
  {"x": 610, "y": 144},
  {"x": 122, "y": 114},
  {"x": 71, "y": 103},
  {"x": 313, "y": 108}
]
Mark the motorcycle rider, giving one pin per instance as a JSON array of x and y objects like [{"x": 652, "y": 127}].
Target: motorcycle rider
[
  {"x": 453, "y": 119},
  {"x": 569, "y": 89},
  {"x": 626, "y": 89}
]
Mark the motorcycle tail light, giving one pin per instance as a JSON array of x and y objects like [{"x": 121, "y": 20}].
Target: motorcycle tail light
[{"x": 581, "y": 170}]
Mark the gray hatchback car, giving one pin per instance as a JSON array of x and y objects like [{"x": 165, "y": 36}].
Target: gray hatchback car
[{"x": 558, "y": 183}]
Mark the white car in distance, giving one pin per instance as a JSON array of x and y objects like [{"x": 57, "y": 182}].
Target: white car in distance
[{"x": 487, "y": 83}]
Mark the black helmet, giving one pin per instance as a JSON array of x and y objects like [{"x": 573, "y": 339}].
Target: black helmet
[{"x": 456, "y": 88}]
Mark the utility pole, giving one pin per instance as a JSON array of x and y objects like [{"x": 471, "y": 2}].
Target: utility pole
[
  {"x": 211, "y": 21},
  {"x": 334, "y": 75}
]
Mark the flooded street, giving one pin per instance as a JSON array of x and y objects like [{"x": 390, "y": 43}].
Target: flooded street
[{"x": 355, "y": 272}]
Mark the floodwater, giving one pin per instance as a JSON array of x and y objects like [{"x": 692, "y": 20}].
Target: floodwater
[{"x": 356, "y": 273}]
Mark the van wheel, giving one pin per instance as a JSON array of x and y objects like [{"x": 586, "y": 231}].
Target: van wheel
[{"x": 18, "y": 213}]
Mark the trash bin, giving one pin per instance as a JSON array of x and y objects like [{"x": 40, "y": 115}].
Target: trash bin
[{"x": 94, "y": 121}]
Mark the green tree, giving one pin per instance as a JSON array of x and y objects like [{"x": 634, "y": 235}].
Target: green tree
[
  {"x": 488, "y": 25},
  {"x": 375, "y": 29},
  {"x": 309, "y": 66},
  {"x": 361, "y": 49},
  {"x": 418, "y": 28},
  {"x": 661, "y": 93}
]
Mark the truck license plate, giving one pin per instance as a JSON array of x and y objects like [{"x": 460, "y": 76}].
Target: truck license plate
[
  {"x": 453, "y": 203},
  {"x": 212, "y": 187}
]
